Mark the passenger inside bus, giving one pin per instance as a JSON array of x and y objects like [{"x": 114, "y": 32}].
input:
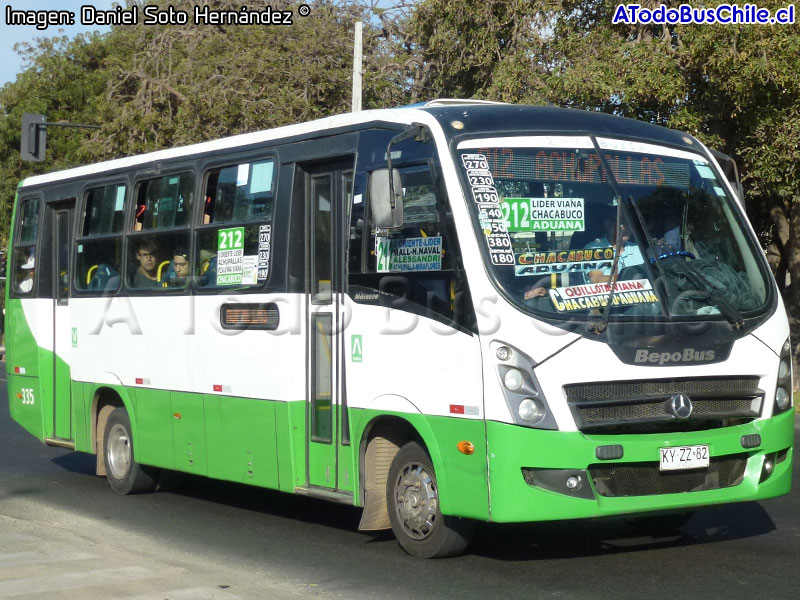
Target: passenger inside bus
[
  {"x": 180, "y": 262},
  {"x": 177, "y": 275},
  {"x": 28, "y": 273},
  {"x": 630, "y": 254},
  {"x": 147, "y": 273}
]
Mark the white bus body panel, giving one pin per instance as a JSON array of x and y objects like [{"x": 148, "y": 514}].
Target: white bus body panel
[
  {"x": 425, "y": 362},
  {"x": 588, "y": 361},
  {"x": 185, "y": 348}
]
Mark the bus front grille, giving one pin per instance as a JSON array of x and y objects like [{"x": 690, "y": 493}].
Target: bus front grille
[
  {"x": 645, "y": 478},
  {"x": 645, "y": 406}
]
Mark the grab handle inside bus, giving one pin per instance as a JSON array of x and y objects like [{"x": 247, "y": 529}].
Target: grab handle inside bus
[{"x": 385, "y": 213}]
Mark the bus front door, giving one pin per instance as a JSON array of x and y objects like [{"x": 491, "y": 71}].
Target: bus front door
[
  {"x": 324, "y": 189},
  {"x": 60, "y": 220}
]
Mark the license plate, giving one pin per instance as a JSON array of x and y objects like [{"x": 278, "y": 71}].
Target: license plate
[{"x": 684, "y": 457}]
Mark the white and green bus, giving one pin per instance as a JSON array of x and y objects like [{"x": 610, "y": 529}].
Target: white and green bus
[{"x": 445, "y": 314}]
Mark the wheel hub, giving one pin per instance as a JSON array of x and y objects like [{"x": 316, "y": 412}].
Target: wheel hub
[
  {"x": 118, "y": 458},
  {"x": 417, "y": 501}
]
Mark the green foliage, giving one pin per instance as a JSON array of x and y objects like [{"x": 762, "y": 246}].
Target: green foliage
[
  {"x": 733, "y": 86},
  {"x": 477, "y": 48},
  {"x": 152, "y": 86},
  {"x": 63, "y": 81},
  {"x": 170, "y": 85}
]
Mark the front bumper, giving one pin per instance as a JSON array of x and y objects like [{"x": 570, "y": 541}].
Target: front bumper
[{"x": 512, "y": 448}]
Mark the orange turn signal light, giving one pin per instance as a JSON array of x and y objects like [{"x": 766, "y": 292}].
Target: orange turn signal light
[{"x": 466, "y": 447}]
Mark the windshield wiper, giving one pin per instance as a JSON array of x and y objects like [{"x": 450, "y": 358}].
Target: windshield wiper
[
  {"x": 704, "y": 287},
  {"x": 601, "y": 325}
]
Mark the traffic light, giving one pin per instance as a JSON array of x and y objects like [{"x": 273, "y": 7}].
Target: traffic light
[{"x": 34, "y": 137}]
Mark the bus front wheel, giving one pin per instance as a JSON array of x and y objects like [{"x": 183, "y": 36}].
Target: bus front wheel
[
  {"x": 413, "y": 501},
  {"x": 124, "y": 474}
]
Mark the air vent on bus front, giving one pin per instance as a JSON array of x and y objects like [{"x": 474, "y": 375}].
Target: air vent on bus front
[{"x": 649, "y": 406}]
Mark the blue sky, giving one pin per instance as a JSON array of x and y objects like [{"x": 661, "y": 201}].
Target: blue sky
[{"x": 10, "y": 62}]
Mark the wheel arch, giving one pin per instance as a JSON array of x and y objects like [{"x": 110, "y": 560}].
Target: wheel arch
[
  {"x": 380, "y": 441},
  {"x": 104, "y": 400}
]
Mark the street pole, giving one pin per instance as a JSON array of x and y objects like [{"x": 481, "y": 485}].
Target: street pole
[{"x": 357, "y": 68}]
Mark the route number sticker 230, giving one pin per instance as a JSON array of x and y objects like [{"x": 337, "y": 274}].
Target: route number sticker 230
[{"x": 26, "y": 395}]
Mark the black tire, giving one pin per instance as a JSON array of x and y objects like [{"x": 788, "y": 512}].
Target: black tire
[
  {"x": 412, "y": 496},
  {"x": 124, "y": 474}
]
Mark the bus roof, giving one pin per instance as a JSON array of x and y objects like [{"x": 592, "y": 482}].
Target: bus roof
[{"x": 477, "y": 117}]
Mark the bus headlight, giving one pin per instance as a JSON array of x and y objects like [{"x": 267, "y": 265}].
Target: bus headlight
[
  {"x": 782, "y": 399},
  {"x": 513, "y": 380},
  {"x": 531, "y": 410},
  {"x": 522, "y": 393},
  {"x": 783, "y": 388},
  {"x": 783, "y": 369}
]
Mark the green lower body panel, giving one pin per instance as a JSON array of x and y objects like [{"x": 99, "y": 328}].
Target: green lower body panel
[
  {"x": 515, "y": 474},
  {"x": 461, "y": 478},
  {"x": 633, "y": 483},
  {"x": 26, "y": 403}
]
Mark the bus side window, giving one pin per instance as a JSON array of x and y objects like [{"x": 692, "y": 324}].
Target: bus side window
[
  {"x": 233, "y": 239},
  {"x": 99, "y": 247},
  {"x": 164, "y": 202},
  {"x": 417, "y": 262},
  {"x": 159, "y": 262},
  {"x": 24, "y": 254},
  {"x": 98, "y": 264}
]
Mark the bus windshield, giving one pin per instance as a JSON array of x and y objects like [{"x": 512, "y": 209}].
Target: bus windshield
[{"x": 554, "y": 227}]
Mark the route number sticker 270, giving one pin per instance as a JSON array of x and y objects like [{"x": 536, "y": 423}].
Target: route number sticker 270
[{"x": 684, "y": 457}]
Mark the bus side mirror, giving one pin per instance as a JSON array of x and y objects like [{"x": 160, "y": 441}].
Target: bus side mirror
[{"x": 380, "y": 199}]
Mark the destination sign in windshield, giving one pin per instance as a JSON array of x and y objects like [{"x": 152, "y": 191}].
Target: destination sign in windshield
[{"x": 584, "y": 166}]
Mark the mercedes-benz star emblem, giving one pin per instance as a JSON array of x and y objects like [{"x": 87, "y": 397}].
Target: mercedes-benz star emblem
[{"x": 680, "y": 406}]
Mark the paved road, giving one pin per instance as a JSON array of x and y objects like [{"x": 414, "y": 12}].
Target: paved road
[{"x": 64, "y": 534}]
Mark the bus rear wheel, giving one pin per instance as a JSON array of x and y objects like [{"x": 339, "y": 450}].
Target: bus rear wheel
[
  {"x": 124, "y": 474},
  {"x": 413, "y": 500}
]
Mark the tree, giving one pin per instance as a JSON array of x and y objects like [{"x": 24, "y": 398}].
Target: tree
[
  {"x": 170, "y": 85},
  {"x": 63, "y": 80},
  {"x": 476, "y": 48},
  {"x": 154, "y": 86}
]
